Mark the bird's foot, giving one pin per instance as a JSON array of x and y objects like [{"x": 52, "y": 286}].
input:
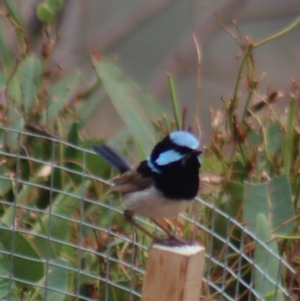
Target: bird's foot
[{"x": 171, "y": 241}]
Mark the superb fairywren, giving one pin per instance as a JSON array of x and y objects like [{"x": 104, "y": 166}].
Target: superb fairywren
[{"x": 161, "y": 186}]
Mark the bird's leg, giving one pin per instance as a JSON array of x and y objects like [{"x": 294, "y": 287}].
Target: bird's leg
[
  {"x": 129, "y": 216},
  {"x": 162, "y": 228},
  {"x": 172, "y": 240}
]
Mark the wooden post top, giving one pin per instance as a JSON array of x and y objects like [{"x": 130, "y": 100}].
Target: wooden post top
[{"x": 173, "y": 273}]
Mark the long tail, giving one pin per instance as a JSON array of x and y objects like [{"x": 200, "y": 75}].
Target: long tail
[{"x": 112, "y": 157}]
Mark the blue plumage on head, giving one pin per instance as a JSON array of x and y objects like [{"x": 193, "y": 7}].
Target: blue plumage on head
[
  {"x": 173, "y": 148},
  {"x": 185, "y": 139}
]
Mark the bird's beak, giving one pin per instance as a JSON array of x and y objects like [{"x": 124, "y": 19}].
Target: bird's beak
[{"x": 197, "y": 152}]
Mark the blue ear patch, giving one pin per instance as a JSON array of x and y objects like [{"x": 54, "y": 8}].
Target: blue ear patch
[
  {"x": 168, "y": 157},
  {"x": 184, "y": 139},
  {"x": 152, "y": 166}
]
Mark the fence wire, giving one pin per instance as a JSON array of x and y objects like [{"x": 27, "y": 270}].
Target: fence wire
[{"x": 63, "y": 238}]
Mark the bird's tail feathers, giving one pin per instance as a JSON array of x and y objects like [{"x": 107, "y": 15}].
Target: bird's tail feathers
[{"x": 112, "y": 157}]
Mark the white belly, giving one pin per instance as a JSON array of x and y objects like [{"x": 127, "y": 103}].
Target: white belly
[{"x": 150, "y": 203}]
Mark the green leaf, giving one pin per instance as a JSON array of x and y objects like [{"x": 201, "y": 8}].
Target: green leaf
[
  {"x": 153, "y": 110},
  {"x": 4, "y": 51},
  {"x": 60, "y": 95},
  {"x": 94, "y": 163},
  {"x": 212, "y": 164},
  {"x": 48, "y": 10},
  {"x": 273, "y": 139},
  {"x": 4, "y": 287},
  {"x": 236, "y": 194},
  {"x": 57, "y": 280},
  {"x": 26, "y": 263},
  {"x": 174, "y": 101},
  {"x": 88, "y": 108},
  {"x": 4, "y": 276},
  {"x": 29, "y": 73},
  {"x": 254, "y": 140},
  {"x": 125, "y": 97},
  {"x": 24, "y": 196},
  {"x": 12, "y": 10},
  {"x": 288, "y": 142},
  {"x": 239, "y": 172},
  {"x": 23, "y": 85},
  {"x": 3, "y": 81},
  {"x": 58, "y": 227},
  {"x": 266, "y": 262},
  {"x": 118, "y": 141},
  {"x": 274, "y": 200},
  {"x": 14, "y": 92},
  {"x": 70, "y": 153},
  {"x": 15, "y": 122},
  {"x": 5, "y": 181},
  {"x": 73, "y": 136}
]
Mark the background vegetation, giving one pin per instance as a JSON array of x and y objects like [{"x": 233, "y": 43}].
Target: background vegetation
[{"x": 250, "y": 172}]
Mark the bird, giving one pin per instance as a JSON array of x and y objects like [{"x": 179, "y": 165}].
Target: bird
[{"x": 162, "y": 185}]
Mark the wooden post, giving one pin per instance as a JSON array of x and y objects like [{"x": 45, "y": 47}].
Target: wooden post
[{"x": 173, "y": 273}]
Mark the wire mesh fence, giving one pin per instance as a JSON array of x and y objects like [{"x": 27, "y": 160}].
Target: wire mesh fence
[{"x": 63, "y": 238}]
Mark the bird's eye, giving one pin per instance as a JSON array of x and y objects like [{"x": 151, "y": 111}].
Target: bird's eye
[{"x": 168, "y": 157}]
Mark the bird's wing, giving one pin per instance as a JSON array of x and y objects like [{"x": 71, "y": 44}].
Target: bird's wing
[{"x": 131, "y": 181}]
